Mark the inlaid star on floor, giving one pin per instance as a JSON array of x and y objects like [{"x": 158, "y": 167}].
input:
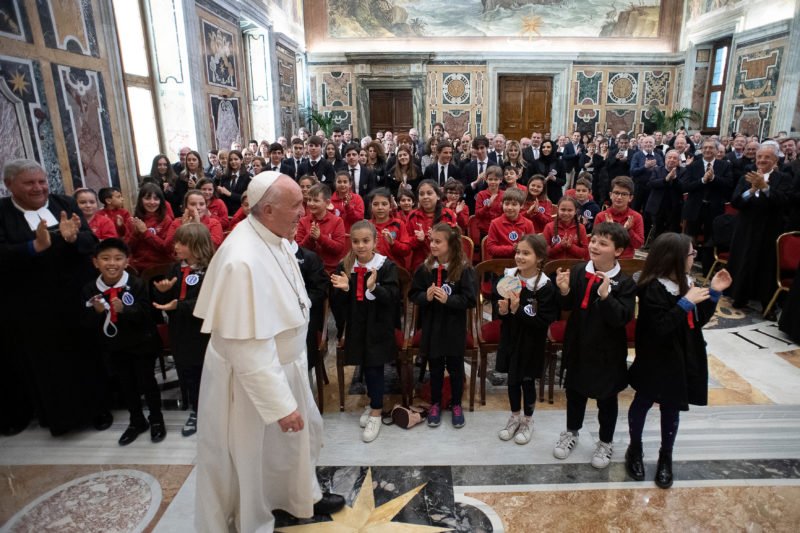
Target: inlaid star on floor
[
  {"x": 363, "y": 516},
  {"x": 18, "y": 83}
]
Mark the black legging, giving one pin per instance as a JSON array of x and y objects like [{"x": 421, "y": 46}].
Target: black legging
[
  {"x": 670, "y": 417},
  {"x": 190, "y": 376},
  {"x": 526, "y": 390},
  {"x": 455, "y": 368},
  {"x": 607, "y": 410},
  {"x": 373, "y": 377}
]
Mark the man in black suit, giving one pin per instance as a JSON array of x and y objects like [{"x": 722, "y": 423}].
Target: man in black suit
[
  {"x": 617, "y": 164},
  {"x": 294, "y": 159},
  {"x": 362, "y": 179},
  {"x": 443, "y": 169},
  {"x": 572, "y": 151},
  {"x": 316, "y": 164},
  {"x": 747, "y": 162},
  {"x": 497, "y": 152},
  {"x": 739, "y": 142},
  {"x": 473, "y": 172},
  {"x": 532, "y": 153},
  {"x": 177, "y": 166},
  {"x": 709, "y": 184}
]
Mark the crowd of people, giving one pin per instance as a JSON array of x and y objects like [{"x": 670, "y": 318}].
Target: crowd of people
[{"x": 374, "y": 206}]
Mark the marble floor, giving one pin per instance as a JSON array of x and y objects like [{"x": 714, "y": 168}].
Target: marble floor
[{"x": 737, "y": 463}]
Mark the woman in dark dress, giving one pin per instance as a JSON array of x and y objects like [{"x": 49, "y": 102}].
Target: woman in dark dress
[{"x": 552, "y": 168}]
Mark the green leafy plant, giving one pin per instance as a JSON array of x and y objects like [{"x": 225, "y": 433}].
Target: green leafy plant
[
  {"x": 664, "y": 121},
  {"x": 324, "y": 122}
]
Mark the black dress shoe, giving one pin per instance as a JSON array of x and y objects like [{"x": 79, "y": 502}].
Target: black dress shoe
[
  {"x": 14, "y": 429},
  {"x": 157, "y": 431},
  {"x": 329, "y": 504},
  {"x": 103, "y": 421},
  {"x": 664, "y": 470},
  {"x": 634, "y": 465},
  {"x": 130, "y": 434}
]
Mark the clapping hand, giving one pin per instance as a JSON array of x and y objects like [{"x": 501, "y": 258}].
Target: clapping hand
[
  {"x": 513, "y": 300},
  {"x": 439, "y": 295},
  {"x": 628, "y": 222},
  {"x": 562, "y": 280},
  {"x": 223, "y": 191},
  {"x": 388, "y": 236},
  {"x": 605, "y": 287},
  {"x": 697, "y": 295},
  {"x": 721, "y": 280},
  {"x": 372, "y": 280},
  {"x": 341, "y": 282},
  {"x": 315, "y": 231},
  {"x": 429, "y": 294},
  {"x": 69, "y": 227},
  {"x": 502, "y": 307},
  {"x": 534, "y": 206},
  {"x": 42, "y": 241},
  {"x": 171, "y": 306},
  {"x": 165, "y": 285},
  {"x": 139, "y": 225}
]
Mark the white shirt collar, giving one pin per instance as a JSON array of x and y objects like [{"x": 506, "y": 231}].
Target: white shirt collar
[
  {"x": 611, "y": 273},
  {"x": 376, "y": 262},
  {"x": 33, "y": 217},
  {"x": 529, "y": 282},
  {"x": 672, "y": 287},
  {"x": 436, "y": 265},
  {"x": 102, "y": 287}
]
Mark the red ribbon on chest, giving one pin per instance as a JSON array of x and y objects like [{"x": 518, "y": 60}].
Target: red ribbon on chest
[
  {"x": 439, "y": 270},
  {"x": 360, "y": 273},
  {"x": 111, "y": 294},
  {"x": 592, "y": 280},
  {"x": 185, "y": 271}
]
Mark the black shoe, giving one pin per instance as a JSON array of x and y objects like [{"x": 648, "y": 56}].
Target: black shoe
[
  {"x": 14, "y": 429},
  {"x": 157, "y": 431},
  {"x": 664, "y": 470},
  {"x": 329, "y": 504},
  {"x": 103, "y": 421},
  {"x": 130, "y": 434},
  {"x": 58, "y": 431},
  {"x": 190, "y": 427},
  {"x": 634, "y": 465}
]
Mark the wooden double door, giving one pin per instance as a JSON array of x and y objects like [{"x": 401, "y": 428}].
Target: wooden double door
[
  {"x": 525, "y": 105},
  {"x": 390, "y": 109}
]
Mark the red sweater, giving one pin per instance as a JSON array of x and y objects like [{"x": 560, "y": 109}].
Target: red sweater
[
  {"x": 112, "y": 214},
  {"x": 332, "y": 242},
  {"x": 487, "y": 210},
  {"x": 152, "y": 247},
  {"x": 102, "y": 227},
  {"x": 209, "y": 221},
  {"x": 557, "y": 245},
  {"x": 636, "y": 231},
  {"x": 504, "y": 234},
  {"x": 350, "y": 212},
  {"x": 219, "y": 210},
  {"x": 238, "y": 217},
  {"x": 419, "y": 220},
  {"x": 400, "y": 249},
  {"x": 540, "y": 218}
]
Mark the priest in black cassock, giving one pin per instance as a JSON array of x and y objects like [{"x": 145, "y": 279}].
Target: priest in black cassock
[{"x": 48, "y": 371}]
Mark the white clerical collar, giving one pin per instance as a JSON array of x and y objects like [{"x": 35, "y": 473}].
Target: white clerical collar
[
  {"x": 611, "y": 273},
  {"x": 376, "y": 262},
  {"x": 672, "y": 287},
  {"x": 293, "y": 246},
  {"x": 102, "y": 287},
  {"x": 529, "y": 282},
  {"x": 264, "y": 232},
  {"x": 32, "y": 217}
]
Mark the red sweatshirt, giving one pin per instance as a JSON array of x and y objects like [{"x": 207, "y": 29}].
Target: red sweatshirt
[
  {"x": 400, "y": 249},
  {"x": 542, "y": 217},
  {"x": 350, "y": 212},
  {"x": 219, "y": 210},
  {"x": 332, "y": 242},
  {"x": 112, "y": 214},
  {"x": 504, "y": 234},
  {"x": 419, "y": 220},
  {"x": 238, "y": 217},
  {"x": 151, "y": 248},
  {"x": 636, "y": 231},
  {"x": 570, "y": 243},
  {"x": 209, "y": 221},
  {"x": 487, "y": 210},
  {"x": 102, "y": 227}
]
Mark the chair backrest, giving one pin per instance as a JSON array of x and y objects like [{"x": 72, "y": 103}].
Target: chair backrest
[
  {"x": 492, "y": 266},
  {"x": 788, "y": 246},
  {"x": 552, "y": 266},
  {"x": 469, "y": 248},
  {"x": 473, "y": 232},
  {"x": 631, "y": 266},
  {"x": 484, "y": 252}
]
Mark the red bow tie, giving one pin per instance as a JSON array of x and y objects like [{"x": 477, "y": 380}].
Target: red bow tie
[
  {"x": 439, "y": 270},
  {"x": 592, "y": 280},
  {"x": 360, "y": 273},
  {"x": 111, "y": 294}
]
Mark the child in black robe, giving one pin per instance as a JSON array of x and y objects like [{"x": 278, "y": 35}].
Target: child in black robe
[
  {"x": 671, "y": 365},
  {"x": 367, "y": 295},
  {"x": 601, "y": 298}
]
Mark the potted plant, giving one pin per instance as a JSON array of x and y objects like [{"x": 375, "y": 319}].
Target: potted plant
[
  {"x": 663, "y": 121},
  {"x": 324, "y": 122}
]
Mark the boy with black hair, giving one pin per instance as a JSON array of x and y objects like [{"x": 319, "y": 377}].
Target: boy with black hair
[
  {"x": 622, "y": 188},
  {"x": 587, "y": 207},
  {"x": 321, "y": 231},
  {"x": 117, "y": 308},
  {"x": 316, "y": 164},
  {"x": 113, "y": 208}
]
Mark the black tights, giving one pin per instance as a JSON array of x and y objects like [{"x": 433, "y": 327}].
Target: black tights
[
  {"x": 455, "y": 368},
  {"x": 607, "y": 410},
  {"x": 670, "y": 417},
  {"x": 373, "y": 377},
  {"x": 526, "y": 390}
]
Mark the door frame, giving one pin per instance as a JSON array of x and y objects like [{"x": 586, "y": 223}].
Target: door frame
[
  {"x": 559, "y": 71},
  {"x": 364, "y": 84}
]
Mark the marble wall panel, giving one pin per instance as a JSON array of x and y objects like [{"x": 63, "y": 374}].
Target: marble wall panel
[
  {"x": 337, "y": 89},
  {"x": 621, "y": 119},
  {"x": 455, "y": 97},
  {"x": 623, "y": 88},
  {"x": 657, "y": 87},
  {"x": 83, "y": 109},
  {"x": 752, "y": 119},
  {"x": 341, "y": 119},
  {"x": 456, "y": 123},
  {"x": 287, "y": 90},
  {"x": 588, "y": 87},
  {"x": 69, "y": 25},
  {"x": 333, "y": 92},
  {"x": 14, "y": 21},
  {"x": 699, "y": 85},
  {"x": 225, "y": 121},
  {"x": 586, "y": 119}
]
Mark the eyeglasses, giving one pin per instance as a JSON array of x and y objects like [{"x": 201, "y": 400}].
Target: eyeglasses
[
  {"x": 693, "y": 253},
  {"x": 620, "y": 193}
]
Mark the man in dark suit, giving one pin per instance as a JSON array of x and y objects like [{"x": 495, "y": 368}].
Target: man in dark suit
[
  {"x": 572, "y": 150},
  {"x": 709, "y": 184},
  {"x": 617, "y": 164},
  {"x": 362, "y": 179},
  {"x": 532, "y": 153},
  {"x": 443, "y": 169},
  {"x": 294, "y": 159},
  {"x": 739, "y": 142},
  {"x": 664, "y": 202},
  {"x": 473, "y": 172},
  {"x": 177, "y": 166},
  {"x": 316, "y": 164},
  {"x": 497, "y": 152},
  {"x": 336, "y": 137},
  {"x": 643, "y": 163},
  {"x": 747, "y": 162}
]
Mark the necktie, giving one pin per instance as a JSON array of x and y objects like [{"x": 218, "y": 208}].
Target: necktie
[
  {"x": 592, "y": 280},
  {"x": 233, "y": 183},
  {"x": 439, "y": 270},
  {"x": 708, "y": 167},
  {"x": 112, "y": 293},
  {"x": 185, "y": 271},
  {"x": 360, "y": 273},
  {"x": 499, "y": 158},
  {"x": 353, "y": 175},
  {"x": 536, "y": 153},
  {"x": 274, "y": 169},
  {"x": 296, "y": 168},
  {"x": 480, "y": 167},
  {"x": 441, "y": 175}
]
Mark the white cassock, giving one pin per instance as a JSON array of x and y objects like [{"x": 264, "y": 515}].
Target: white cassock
[{"x": 256, "y": 308}]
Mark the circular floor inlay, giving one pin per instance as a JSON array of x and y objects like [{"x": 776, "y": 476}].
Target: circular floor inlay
[{"x": 115, "y": 500}]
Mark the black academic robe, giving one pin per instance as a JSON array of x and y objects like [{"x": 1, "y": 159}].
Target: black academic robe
[
  {"x": 671, "y": 364},
  {"x": 523, "y": 334},
  {"x": 49, "y": 366},
  {"x": 752, "y": 260},
  {"x": 317, "y": 285},
  {"x": 188, "y": 345},
  {"x": 555, "y": 188},
  {"x": 595, "y": 344},
  {"x": 369, "y": 324},
  {"x": 790, "y": 316},
  {"x": 444, "y": 325}
]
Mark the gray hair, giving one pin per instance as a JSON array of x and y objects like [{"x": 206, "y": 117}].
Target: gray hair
[
  {"x": 15, "y": 167},
  {"x": 771, "y": 146}
]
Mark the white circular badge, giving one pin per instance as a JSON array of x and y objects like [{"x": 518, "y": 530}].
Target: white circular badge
[
  {"x": 192, "y": 279},
  {"x": 127, "y": 298}
]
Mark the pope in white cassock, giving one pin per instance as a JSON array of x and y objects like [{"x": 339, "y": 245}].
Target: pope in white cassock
[{"x": 260, "y": 431}]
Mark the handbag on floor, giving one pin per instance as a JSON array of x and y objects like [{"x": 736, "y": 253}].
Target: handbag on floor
[{"x": 408, "y": 417}]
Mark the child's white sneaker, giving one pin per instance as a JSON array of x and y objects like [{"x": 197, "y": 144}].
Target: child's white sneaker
[
  {"x": 373, "y": 427},
  {"x": 508, "y": 432},
  {"x": 602, "y": 455},
  {"x": 364, "y": 417},
  {"x": 566, "y": 442},
  {"x": 525, "y": 430}
]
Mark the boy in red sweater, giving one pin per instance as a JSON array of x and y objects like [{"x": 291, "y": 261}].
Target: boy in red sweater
[
  {"x": 489, "y": 202},
  {"x": 619, "y": 212},
  {"x": 506, "y": 230},
  {"x": 321, "y": 231},
  {"x": 113, "y": 208}
]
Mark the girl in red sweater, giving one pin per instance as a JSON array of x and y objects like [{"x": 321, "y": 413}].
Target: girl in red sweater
[
  {"x": 537, "y": 207},
  {"x": 306, "y": 182},
  {"x": 393, "y": 239},
  {"x": 216, "y": 207},
  {"x": 196, "y": 210},
  {"x": 406, "y": 203},
  {"x": 454, "y": 200},
  {"x": 147, "y": 229},
  {"x": 566, "y": 236},
  {"x": 511, "y": 176},
  {"x": 489, "y": 202},
  {"x": 101, "y": 226},
  {"x": 346, "y": 204},
  {"x": 431, "y": 212}
]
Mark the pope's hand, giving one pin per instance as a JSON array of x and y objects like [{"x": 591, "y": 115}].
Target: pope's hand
[{"x": 292, "y": 423}]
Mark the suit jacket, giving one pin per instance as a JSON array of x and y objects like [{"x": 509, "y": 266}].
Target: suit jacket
[
  {"x": 234, "y": 201},
  {"x": 367, "y": 181},
  {"x": 664, "y": 195},
  {"x": 554, "y": 188},
  {"x": 492, "y": 156},
  {"x": 716, "y": 192},
  {"x": 323, "y": 170},
  {"x": 638, "y": 169},
  {"x": 616, "y": 167},
  {"x": 570, "y": 156},
  {"x": 292, "y": 167},
  {"x": 527, "y": 155},
  {"x": 432, "y": 172},
  {"x": 469, "y": 174}
]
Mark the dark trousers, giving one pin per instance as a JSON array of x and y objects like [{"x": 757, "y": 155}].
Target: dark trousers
[
  {"x": 607, "y": 410},
  {"x": 670, "y": 418},
  {"x": 667, "y": 220},
  {"x": 373, "y": 377},
  {"x": 136, "y": 374},
  {"x": 526, "y": 390},
  {"x": 704, "y": 225},
  {"x": 190, "y": 375},
  {"x": 455, "y": 368}
]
